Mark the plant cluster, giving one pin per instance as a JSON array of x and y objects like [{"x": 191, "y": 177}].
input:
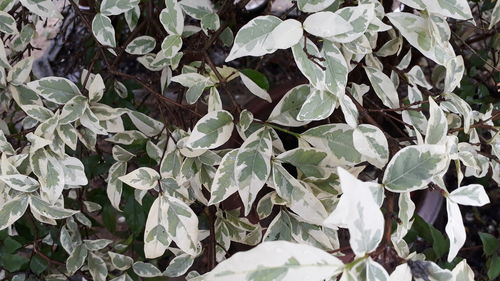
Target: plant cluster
[{"x": 166, "y": 173}]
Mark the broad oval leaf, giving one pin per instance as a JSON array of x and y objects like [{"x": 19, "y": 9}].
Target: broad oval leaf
[
  {"x": 311, "y": 6},
  {"x": 300, "y": 199},
  {"x": 252, "y": 38},
  {"x": 55, "y": 89},
  {"x": 12, "y": 210},
  {"x": 141, "y": 45},
  {"x": 103, "y": 30},
  {"x": 413, "y": 167},
  {"x": 319, "y": 105},
  {"x": 141, "y": 178},
  {"x": 49, "y": 211},
  {"x": 20, "y": 182},
  {"x": 116, "y": 7},
  {"x": 326, "y": 24},
  {"x": 182, "y": 225},
  {"x": 286, "y": 111},
  {"x": 146, "y": 269},
  {"x": 470, "y": 195},
  {"x": 370, "y": 141},
  {"x": 211, "y": 131},
  {"x": 277, "y": 260},
  {"x": 336, "y": 139},
  {"x": 172, "y": 17},
  {"x": 7, "y": 23}
]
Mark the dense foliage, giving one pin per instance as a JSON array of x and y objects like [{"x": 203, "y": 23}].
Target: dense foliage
[{"x": 155, "y": 162}]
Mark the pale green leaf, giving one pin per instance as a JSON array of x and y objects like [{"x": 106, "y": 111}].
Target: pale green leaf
[{"x": 211, "y": 131}]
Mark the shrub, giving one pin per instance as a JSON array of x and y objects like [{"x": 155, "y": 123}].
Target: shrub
[{"x": 156, "y": 162}]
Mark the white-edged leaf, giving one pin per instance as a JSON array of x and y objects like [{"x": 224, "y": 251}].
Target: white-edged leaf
[
  {"x": 359, "y": 17},
  {"x": 116, "y": 7},
  {"x": 318, "y": 105},
  {"x": 142, "y": 178},
  {"x": 74, "y": 171},
  {"x": 156, "y": 238},
  {"x": 313, "y": 71},
  {"x": 147, "y": 125},
  {"x": 311, "y": 6},
  {"x": 141, "y": 45},
  {"x": 104, "y": 31},
  {"x": 197, "y": 8},
  {"x": 12, "y": 210},
  {"x": 115, "y": 186},
  {"x": 437, "y": 126},
  {"x": 223, "y": 182},
  {"x": 97, "y": 267},
  {"x": 20, "y": 182},
  {"x": 211, "y": 131},
  {"x": 254, "y": 88},
  {"x": 182, "y": 226},
  {"x": 286, "y": 111},
  {"x": 300, "y": 199},
  {"x": 454, "y": 72},
  {"x": 146, "y": 269},
  {"x": 277, "y": 260},
  {"x": 370, "y": 141},
  {"x": 49, "y": 211},
  {"x": 326, "y": 24},
  {"x": 76, "y": 259},
  {"x": 413, "y": 167},
  {"x": 336, "y": 139},
  {"x": 43, "y": 8},
  {"x": 179, "y": 265},
  {"x": 336, "y": 69},
  {"x": 120, "y": 261},
  {"x": 7, "y": 24},
  {"x": 172, "y": 17},
  {"x": 383, "y": 87},
  {"x": 470, "y": 195},
  {"x": 359, "y": 211},
  {"x": 454, "y": 229},
  {"x": 253, "y": 166},
  {"x": 55, "y": 89},
  {"x": 349, "y": 110},
  {"x": 253, "y": 38}
]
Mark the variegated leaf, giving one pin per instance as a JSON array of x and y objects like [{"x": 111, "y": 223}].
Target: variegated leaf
[
  {"x": 253, "y": 166},
  {"x": 211, "y": 131},
  {"x": 141, "y": 178}
]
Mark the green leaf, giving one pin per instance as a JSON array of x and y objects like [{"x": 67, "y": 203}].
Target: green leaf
[
  {"x": 116, "y": 7},
  {"x": 277, "y": 260},
  {"x": 413, "y": 167},
  {"x": 494, "y": 267},
  {"x": 257, "y": 77},
  {"x": 253, "y": 166},
  {"x": 211, "y": 131},
  {"x": 172, "y": 18},
  {"x": 38, "y": 264},
  {"x": 12, "y": 210},
  {"x": 490, "y": 243},
  {"x": 310, "y": 161},
  {"x": 254, "y": 88}
]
